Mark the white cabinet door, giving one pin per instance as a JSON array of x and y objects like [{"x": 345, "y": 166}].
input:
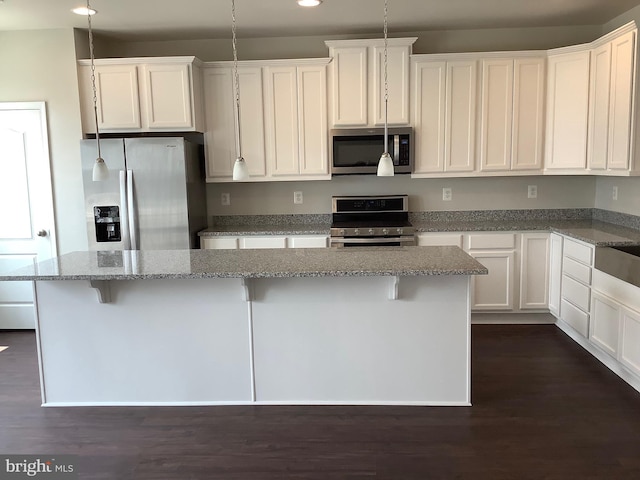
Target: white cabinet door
[
  {"x": 567, "y": 111},
  {"x": 555, "y": 273},
  {"x": 428, "y": 114},
  {"x": 495, "y": 290},
  {"x": 460, "y": 123},
  {"x": 398, "y": 82},
  {"x": 630, "y": 340},
  {"x": 621, "y": 100},
  {"x": 308, "y": 241},
  {"x": 497, "y": 112},
  {"x": 271, "y": 241},
  {"x": 349, "y": 85},
  {"x": 221, "y": 138},
  {"x": 282, "y": 121},
  {"x": 534, "y": 271},
  {"x": 167, "y": 95},
  {"x": 599, "y": 107},
  {"x": 312, "y": 120},
  {"x": 604, "y": 326},
  {"x": 118, "y": 97},
  {"x": 528, "y": 113}
]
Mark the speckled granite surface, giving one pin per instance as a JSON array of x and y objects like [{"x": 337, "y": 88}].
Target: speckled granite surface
[
  {"x": 194, "y": 264},
  {"x": 595, "y": 226}
]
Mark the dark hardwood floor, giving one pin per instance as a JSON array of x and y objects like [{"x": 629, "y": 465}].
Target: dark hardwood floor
[{"x": 543, "y": 409}]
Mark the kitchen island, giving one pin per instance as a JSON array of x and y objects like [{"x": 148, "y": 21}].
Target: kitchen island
[{"x": 359, "y": 326}]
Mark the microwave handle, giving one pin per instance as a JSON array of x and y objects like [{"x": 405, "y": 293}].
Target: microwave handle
[{"x": 396, "y": 149}]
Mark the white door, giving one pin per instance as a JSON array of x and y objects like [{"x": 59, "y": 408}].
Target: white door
[{"x": 27, "y": 229}]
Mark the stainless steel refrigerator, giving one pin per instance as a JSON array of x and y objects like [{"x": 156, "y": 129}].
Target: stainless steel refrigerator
[{"x": 153, "y": 199}]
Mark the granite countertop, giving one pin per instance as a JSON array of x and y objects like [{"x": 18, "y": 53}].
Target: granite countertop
[
  {"x": 595, "y": 232},
  {"x": 267, "y": 263}
]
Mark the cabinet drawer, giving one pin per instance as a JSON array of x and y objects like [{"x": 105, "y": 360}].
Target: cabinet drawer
[
  {"x": 576, "y": 293},
  {"x": 320, "y": 241},
  {"x": 576, "y": 270},
  {"x": 575, "y": 317},
  {"x": 264, "y": 242},
  {"x": 484, "y": 241},
  {"x": 213, "y": 243},
  {"x": 437, "y": 239},
  {"x": 578, "y": 251}
]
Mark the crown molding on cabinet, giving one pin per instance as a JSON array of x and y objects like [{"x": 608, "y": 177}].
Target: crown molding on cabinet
[
  {"x": 143, "y": 60},
  {"x": 288, "y": 62},
  {"x": 371, "y": 42}
]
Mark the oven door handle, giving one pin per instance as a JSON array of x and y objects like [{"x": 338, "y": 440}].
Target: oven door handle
[{"x": 364, "y": 241}]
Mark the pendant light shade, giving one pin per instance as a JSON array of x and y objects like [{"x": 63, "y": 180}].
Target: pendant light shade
[
  {"x": 385, "y": 164},
  {"x": 100, "y": 170},
  {"x": 240, "y": 170}
]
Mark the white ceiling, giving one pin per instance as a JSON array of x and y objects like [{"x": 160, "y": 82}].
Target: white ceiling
[{"x": 192, "y": 19}]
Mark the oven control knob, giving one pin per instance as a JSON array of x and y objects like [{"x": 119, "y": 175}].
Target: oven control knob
[
  {"x": 400, "y": 231},
  {"x": 342, "y": 232},
  {"x": 371, "y": 231},
  {"x": 385, "y": 231},
  {"x": 356, "y": 231}
]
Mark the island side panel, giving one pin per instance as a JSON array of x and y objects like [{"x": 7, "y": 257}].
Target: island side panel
[
  {"x": 343, "y": 341},
  {"x": 158, "y": 342}
]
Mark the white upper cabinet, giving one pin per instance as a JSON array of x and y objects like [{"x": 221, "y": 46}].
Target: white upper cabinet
[
  {"x": 143, "y": 95},
  {"x": 623, "y": 54},
  {"x": 511, "y": 120},
  {"x": 443, "y": 114},
  {"x": 357, "y": 81},
  {"x": 297, "y": 143},
  {"x": 283, "y": 119},
  {"x": 221, "y": 135},
  {"x": 567, "y": 111},
  {"x": 611, "y": 103}
]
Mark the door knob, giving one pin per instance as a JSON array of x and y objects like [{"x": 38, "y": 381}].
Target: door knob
[{"x": 42, "y": 233}]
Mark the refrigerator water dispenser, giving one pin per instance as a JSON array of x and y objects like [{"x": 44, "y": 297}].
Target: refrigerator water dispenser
[{"x": 107, "y": 222}]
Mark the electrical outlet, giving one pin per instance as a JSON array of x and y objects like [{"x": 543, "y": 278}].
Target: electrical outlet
[
  {"x": 225, "y": 199},
  {"x": 532, "y": 191},
  {"x": 297, "y": 198},
  {"x": 447, "y": 194},
  {"x": 615, "y": 193}
]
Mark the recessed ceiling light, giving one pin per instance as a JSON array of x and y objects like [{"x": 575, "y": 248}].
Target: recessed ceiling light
[
  {"x": 84, "y": 11},
  {"x": 309, "y": 3}
]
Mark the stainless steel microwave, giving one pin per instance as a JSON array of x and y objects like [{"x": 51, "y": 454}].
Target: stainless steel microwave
[{"x": 357, "y": 150}]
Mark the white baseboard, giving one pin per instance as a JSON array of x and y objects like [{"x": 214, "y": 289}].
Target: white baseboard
[{"x": 510, "y": 318}]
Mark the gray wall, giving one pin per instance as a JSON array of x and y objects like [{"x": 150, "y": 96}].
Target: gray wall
[
  {"x": 495, "y": 193},
  {"x": 40, "y": 65},
  {"x": 442, "y": 41}
]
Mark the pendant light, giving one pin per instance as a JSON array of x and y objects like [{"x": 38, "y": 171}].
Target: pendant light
[
  {"x": 240, "y": 169},
  {"x": 100, "y": 170},
  {"x": 385, "y": 165}
]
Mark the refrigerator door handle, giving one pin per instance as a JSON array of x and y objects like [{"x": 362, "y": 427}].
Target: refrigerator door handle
[
  {"x": 131, "y": 211},
  {"x": 124, "y": 212}
]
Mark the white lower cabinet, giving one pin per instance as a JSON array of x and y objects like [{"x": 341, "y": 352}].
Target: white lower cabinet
[
  {"x": 605, "y": 324},
  {"x": 555, "y": 272},
  {"x": 615, "y": 324},
  {"x": 264, "y": 241},
  {"x": 629, "y": 352},
  {"x": 518, "y": 264},
  {"x": 575, "y": 288}
]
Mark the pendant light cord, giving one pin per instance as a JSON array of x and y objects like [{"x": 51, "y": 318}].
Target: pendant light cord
[
  {"x": 93, "y": 78},
  {"x": 386, "y": 82},
  {"x": 236, "y": 78}
]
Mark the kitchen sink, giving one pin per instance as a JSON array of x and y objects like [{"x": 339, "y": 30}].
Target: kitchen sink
[{"x": 621, "y": 262}]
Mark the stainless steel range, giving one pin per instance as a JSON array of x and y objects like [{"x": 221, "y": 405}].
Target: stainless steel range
[{"x": 365, "y": 221}]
